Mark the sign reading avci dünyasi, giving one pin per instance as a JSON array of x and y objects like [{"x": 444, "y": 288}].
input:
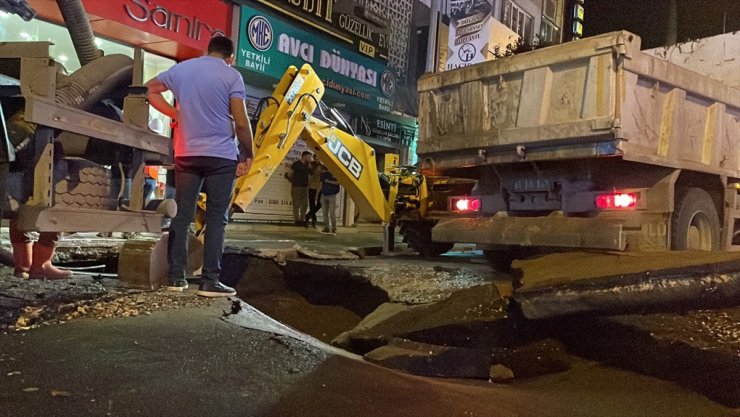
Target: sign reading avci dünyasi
[{"x": 269, "y": 45}]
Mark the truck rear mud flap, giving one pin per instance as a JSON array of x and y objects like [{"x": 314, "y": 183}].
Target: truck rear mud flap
[{"x": 551, "y": 231}]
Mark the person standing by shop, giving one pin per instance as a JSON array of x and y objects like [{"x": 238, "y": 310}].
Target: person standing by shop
[
  {"x": 314, "y": 195},
  {"x": 298, "y": 175},
  {"x": 211, "y": 98},
  {"x": 329, "y": 190}
]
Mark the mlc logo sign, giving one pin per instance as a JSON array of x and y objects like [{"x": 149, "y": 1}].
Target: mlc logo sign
[{"x": 260, "y": 33}]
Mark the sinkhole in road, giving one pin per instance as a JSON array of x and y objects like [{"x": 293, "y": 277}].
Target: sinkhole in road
[
  {"x": 325, "y": 299},
  {"x": 322, "y": 305}
]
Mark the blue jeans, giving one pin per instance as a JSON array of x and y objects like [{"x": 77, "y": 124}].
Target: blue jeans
[
  {"x": 328, "y": 208},
  {"x": 150, "y": 184},
  {"x": 191, "y": 174}
]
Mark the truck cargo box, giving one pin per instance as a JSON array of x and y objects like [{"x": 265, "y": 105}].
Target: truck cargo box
[{"x": 596, "y": 97}]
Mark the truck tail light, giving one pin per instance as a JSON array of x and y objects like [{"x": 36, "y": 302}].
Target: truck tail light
[
  {"x": 464, "y": 204},
  {"x": 616, "y": 201}
]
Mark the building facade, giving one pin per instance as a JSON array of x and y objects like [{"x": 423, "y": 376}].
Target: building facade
[
  {"x": 474, "y": 31},
  {"x": 361, "y": 49}
]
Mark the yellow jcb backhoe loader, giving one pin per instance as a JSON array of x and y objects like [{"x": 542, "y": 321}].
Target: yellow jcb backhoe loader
[{"x": 295, "y": 111}]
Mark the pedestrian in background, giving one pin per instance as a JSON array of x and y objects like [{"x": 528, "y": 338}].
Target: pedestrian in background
[
  {"x": 211, "y": 110},
  {"x": 151, "y": 177},
  {"x": 298, "y": 175},
  {"x": 314, "y": 188},
  {"x": 329, "y": 190}
]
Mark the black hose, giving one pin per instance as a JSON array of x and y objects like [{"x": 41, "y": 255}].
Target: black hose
[
  {"x": 80, "y": 30},
  {"x": 95, "y": 81}
]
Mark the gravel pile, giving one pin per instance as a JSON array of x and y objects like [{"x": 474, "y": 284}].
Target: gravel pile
[{"x": 26, "y": 304}]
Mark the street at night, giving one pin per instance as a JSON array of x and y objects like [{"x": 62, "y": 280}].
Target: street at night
[{"x": 493, "y": 208}]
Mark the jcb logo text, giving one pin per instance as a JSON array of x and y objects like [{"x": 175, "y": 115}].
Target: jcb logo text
[{"x": 344, "y": 156}]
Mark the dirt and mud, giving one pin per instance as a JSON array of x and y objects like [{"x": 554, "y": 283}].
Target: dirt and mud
[{"x": 450, "y": 317}]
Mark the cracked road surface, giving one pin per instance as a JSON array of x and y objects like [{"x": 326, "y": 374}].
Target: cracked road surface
[{"x": 195, "y": 361}]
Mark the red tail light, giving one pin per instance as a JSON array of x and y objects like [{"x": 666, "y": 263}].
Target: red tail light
[
  {"x": 464, "y": 204},
  {"x": 616, "y": 201}
]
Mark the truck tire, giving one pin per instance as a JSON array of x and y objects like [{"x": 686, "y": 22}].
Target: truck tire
[
  {"x": 84, "y": 184},
  {"x": 695, "y": 224},
  {"x": 500, "y": 260},
  {"x": 419, "y": 238}
]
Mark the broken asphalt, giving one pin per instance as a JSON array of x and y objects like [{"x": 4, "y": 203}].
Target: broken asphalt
[{"x": 223, "y": 358}]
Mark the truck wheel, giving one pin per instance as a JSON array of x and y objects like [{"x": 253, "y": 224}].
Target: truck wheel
[
  {"x": 84, "y": 185},
  {"x": 419, "y": 238},
  {"x": 695, "y": 223},
  {"x": 500, "y": 260}
]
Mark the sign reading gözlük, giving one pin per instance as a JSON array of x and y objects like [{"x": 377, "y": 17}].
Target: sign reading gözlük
[
  {"x": 362, "y": 24},
  {"x": 269, "y": 45},
  {"x": 470, "y": 27}
]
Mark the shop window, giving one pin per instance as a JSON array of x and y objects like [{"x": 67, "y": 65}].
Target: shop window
[
  {"x": 552, "y": 20},
  {"x": 549, "y": 33},
  {"x": 15, "y": 29},
  {"x": 518, "y": 20},
  {"x": 154, "y": 65},
  {"x": 553, "y": 10}
]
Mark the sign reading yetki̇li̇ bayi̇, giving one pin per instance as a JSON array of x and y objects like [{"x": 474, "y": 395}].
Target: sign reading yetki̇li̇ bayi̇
[{"x": 269, "y": 45}]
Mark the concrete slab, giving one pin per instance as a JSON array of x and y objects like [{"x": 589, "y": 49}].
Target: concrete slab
[
  {"x": 675, "y": 289},
  {"x": 564, "y": 268},
  {"x": 477, "y": 305},
  {"x": 431, "y": 360}
]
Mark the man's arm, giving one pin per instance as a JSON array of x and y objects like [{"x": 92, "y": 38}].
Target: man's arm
[
  {"x": 243, "y": 133},
  {"x": 155, "y": 88}
]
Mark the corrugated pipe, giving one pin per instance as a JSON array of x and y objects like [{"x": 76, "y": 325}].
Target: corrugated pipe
[
  {"x": 97, "y": 78},
  {"x": 80, "y": 30},
  {"x": 94, "y": 81},
  {"x": 85, "y": 87}
]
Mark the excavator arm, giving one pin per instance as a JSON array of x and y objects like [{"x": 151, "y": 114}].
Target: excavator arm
[{"x": 289, "y": 115}]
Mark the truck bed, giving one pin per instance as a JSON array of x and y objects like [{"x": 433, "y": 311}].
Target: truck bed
[{"x": 596, "y": 97}]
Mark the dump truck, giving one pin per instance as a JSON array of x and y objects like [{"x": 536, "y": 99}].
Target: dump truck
[{"x": 591, "y": 144}]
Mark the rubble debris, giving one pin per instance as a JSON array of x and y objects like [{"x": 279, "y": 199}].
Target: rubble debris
[
  {"x": 26, "y": 304},
  {"x": 500, "y": 373}
]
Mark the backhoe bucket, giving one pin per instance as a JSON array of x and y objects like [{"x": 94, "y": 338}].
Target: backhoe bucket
[{"x": 142, "y": 261}]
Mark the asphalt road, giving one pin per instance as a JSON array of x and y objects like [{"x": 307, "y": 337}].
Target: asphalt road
[{"x": 197, "y": 362}]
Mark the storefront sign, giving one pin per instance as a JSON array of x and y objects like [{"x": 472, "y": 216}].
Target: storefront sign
[
  {"x": 344, "y": 21},
  {"x": 374, "y": 11},
  {"x": 469, "y": 32},
  {"x": 161, "y": 17},
  {"x": 390, "y": 131},
  {"x": 188, "y": 23},
  {"x": 269, "y": 45}
]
